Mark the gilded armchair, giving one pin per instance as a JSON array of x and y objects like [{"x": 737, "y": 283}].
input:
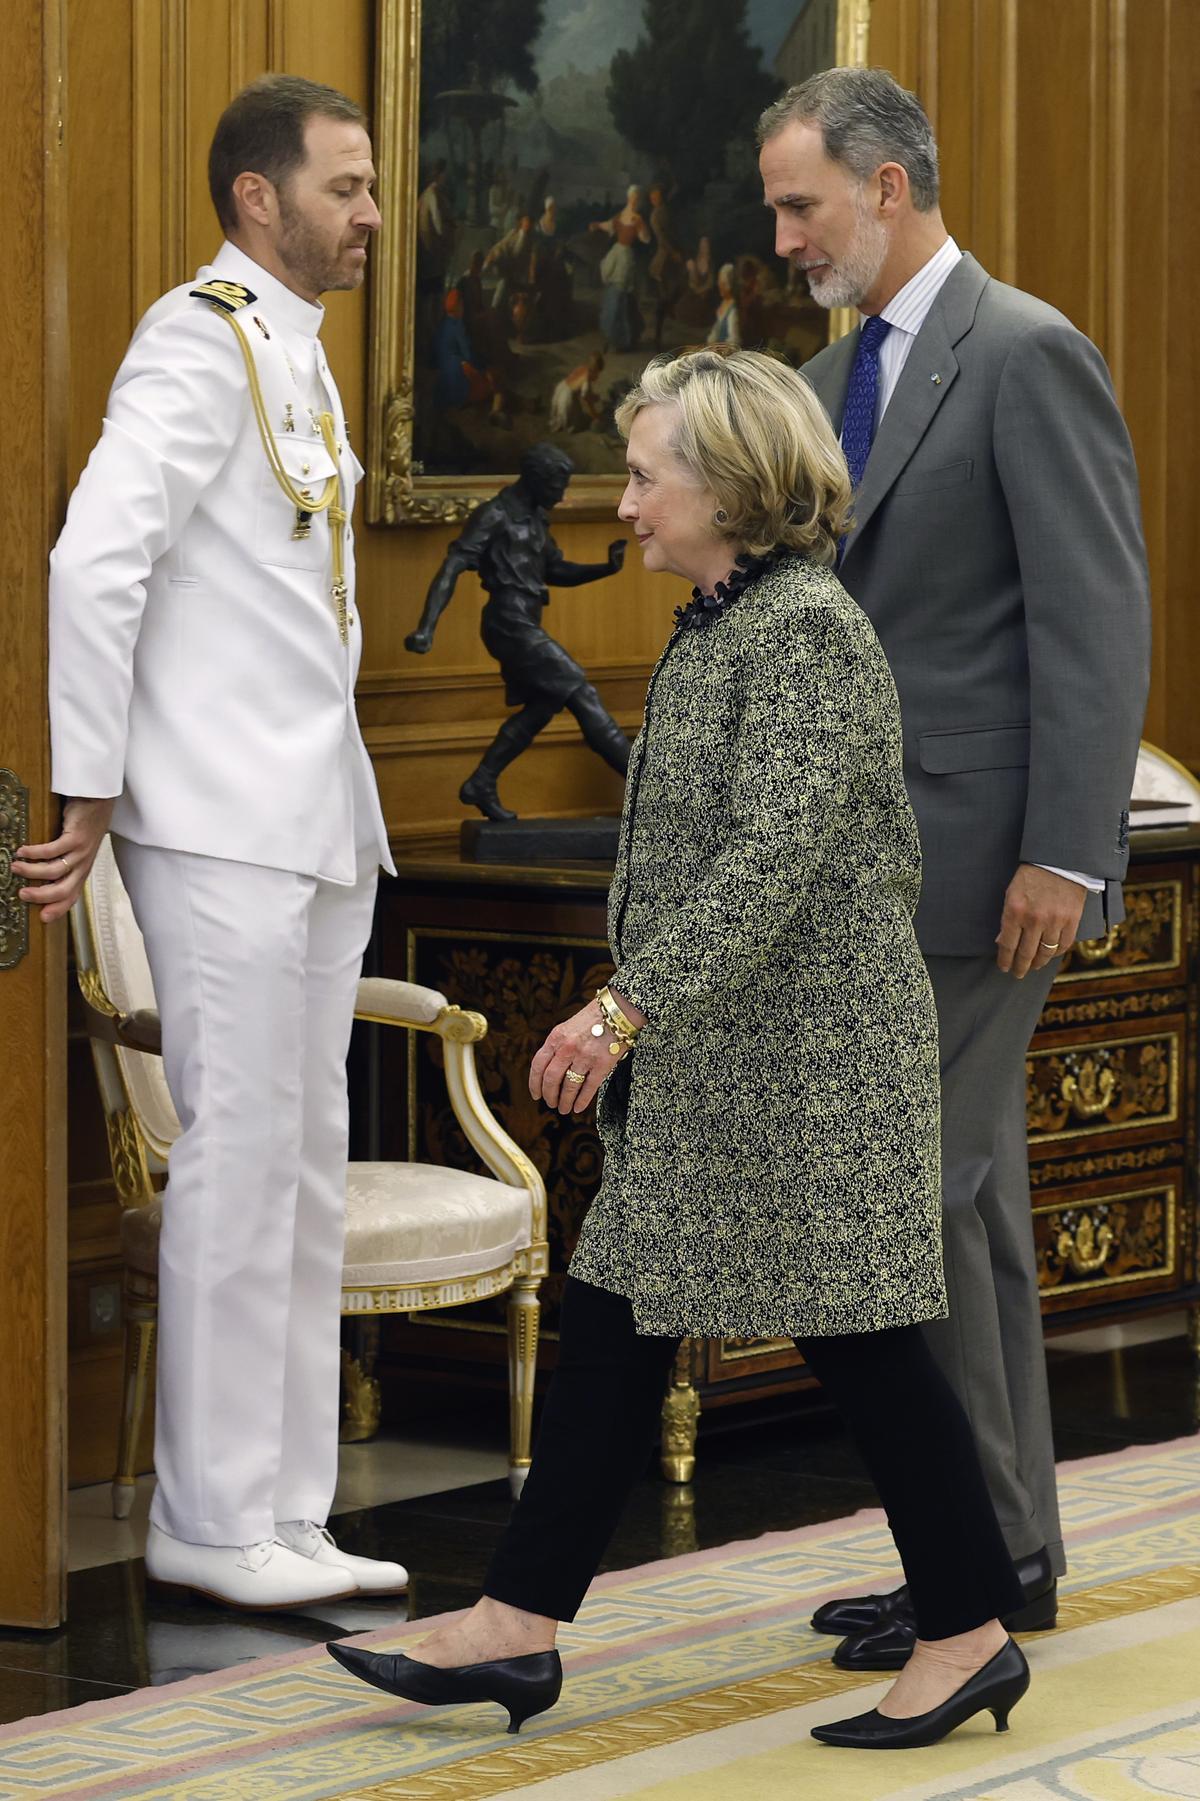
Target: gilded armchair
[{"x": 418, "y": 1236}]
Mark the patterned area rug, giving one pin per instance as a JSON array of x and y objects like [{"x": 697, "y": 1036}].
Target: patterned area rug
[{"x": 697, "y": 1679}]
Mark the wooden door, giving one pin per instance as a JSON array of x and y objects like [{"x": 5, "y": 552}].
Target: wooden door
[{"x": 32, "y": 959}]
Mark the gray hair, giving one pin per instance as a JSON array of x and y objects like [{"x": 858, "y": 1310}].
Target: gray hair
[{"x": 866, "y": 119}]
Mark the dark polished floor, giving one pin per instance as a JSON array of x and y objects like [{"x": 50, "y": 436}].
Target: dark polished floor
[{"x": 787, "y": 1470}]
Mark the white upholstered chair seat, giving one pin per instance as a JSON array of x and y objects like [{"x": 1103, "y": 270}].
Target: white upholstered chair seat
[
  {"x": 405, "y": 1223},
  {"x": 418, "y": 1222}
]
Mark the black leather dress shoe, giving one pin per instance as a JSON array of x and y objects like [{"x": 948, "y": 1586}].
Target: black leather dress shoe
[
  {"x": 859, "y": 1614},
  {"x": 888, "y": 1644},
  {"x": 523, "y": 1685},
  {"x": 998, "y": 1686},
  {"x": 862, "y": 1613}
]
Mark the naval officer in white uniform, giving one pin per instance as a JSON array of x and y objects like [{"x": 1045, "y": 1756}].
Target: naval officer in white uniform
[{"x": 204, "y": 643}]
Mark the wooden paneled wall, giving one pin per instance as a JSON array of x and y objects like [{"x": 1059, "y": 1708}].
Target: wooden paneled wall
[
  {"x": 1067, "y": 134},
  {"x": 1065, "y": 131},
  {"x": 32, "y": 1016}
]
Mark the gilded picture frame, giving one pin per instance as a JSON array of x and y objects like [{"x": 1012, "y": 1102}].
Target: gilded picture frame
[{"x": 448, "y": 421}]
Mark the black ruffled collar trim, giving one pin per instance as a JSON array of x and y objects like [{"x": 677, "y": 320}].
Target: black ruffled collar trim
[{"x": 702, "y": 609}]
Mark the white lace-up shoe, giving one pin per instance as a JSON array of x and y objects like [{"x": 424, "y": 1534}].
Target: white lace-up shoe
[
  {"x": 370, "y": 1576},
  {"x": 260, "y": 1576}
]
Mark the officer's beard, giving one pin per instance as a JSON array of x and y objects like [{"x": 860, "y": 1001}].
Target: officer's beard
[{"x": 306, "y": 255}]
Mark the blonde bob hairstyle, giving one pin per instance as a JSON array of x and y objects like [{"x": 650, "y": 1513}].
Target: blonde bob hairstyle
[{"x": 752, "y": 431}]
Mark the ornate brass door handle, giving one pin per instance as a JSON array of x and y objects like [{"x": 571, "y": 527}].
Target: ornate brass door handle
[
  {"x": 1086, "y": 1248},
  {"x": 14, "y": 829},
  {"x": 1089, "y": 1085}
]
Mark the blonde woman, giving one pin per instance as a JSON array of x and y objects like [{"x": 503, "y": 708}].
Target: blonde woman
[{"x": 766, "y": 1062}]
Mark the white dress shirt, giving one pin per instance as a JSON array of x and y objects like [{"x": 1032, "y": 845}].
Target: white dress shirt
[{"x": 906, "y": 312}]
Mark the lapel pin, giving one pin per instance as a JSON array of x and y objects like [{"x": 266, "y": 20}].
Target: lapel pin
[{"x": 936, "y": 379}]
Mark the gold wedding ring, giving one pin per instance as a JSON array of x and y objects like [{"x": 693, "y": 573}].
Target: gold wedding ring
[
  {"x": 573, "y": 1075},
  {"x": 1047, "y": 946}
]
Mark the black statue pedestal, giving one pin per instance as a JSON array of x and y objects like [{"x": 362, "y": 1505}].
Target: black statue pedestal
[{"x": 540, "y": 840}]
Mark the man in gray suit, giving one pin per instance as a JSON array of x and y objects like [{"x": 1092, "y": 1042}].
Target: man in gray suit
[{"x": 997, "y": 549}]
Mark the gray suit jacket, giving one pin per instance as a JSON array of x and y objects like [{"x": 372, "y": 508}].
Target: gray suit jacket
[{"x": 998, "y": 552}]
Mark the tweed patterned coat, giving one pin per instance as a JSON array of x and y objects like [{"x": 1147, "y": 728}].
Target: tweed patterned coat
[{"x": 771, "y": 1146}]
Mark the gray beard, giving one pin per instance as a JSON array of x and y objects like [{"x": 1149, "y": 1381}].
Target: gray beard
[{"x": 849, "y": 281}]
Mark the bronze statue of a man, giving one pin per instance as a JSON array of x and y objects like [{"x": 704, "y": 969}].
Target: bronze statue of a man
[{"x": 507, "y": 542}]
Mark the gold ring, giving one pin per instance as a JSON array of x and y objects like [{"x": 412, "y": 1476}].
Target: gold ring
[
  {"x": 1047, "y": 946},
  {"x": 573, "y": 1075}
]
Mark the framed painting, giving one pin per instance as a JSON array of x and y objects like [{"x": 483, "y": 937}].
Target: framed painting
[{"x": 568, "y": 186}]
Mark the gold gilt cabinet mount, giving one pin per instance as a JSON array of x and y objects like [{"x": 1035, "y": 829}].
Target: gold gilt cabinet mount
[{"x": 1111, "y": 1104}]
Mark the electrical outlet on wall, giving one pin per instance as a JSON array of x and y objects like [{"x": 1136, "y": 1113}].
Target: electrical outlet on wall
[{"x": 104, "y": 1308}]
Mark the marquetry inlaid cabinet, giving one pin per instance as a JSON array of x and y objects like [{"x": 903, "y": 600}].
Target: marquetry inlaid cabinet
[{"x": 1111, "y": 1099}]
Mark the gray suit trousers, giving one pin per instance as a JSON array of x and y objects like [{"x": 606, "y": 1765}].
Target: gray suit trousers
[{"x": 991, "y": 1346}]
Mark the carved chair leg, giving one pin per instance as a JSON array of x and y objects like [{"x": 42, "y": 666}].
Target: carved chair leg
[
  {"x": 141, "y": 1325},
  {"x": 524, "y": 1313},
  {"x": 361, "y": 1404},
  {"x": 680, "y": 1419}
]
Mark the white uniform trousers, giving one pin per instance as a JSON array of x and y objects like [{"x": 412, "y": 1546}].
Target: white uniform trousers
[{"x": 255, "y": 972}]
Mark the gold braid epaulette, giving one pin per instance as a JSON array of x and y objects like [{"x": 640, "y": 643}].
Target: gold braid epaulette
[
  {"x": 230, "y": 296},
  {"x": 225, "y": 304}
]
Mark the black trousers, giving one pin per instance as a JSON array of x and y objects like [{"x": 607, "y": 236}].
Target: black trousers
[{"x": 598, "y": 1426}]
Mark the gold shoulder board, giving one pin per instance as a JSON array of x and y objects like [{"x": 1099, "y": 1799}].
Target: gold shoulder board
[{"x": 230, "y": 296}]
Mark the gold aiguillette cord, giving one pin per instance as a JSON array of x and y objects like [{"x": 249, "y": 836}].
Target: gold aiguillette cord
[{"x": 302, "y": 499}]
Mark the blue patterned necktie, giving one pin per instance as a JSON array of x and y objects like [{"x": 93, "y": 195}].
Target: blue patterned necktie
[{"x": 858, "y": 423}]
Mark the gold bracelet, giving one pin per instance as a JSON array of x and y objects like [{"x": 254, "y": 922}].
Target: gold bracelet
[{"x": 622, "y": 1028}]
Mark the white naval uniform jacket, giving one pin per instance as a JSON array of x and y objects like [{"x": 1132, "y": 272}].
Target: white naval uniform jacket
[{"x": 196, "y": 666}]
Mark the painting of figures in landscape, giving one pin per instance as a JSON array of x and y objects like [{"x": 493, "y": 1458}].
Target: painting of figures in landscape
[{"x": 587, "y": 193}]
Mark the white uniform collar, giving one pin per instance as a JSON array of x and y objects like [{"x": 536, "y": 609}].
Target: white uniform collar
[{"x": 279, "y": 302}]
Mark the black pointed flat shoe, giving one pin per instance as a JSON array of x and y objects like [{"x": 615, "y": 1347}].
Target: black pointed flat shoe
[
  {"x": 523, "y": 1685},
  {"x": 996, "y": 1688}
]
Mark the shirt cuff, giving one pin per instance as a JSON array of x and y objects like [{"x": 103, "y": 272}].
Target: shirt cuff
[{"x": 1093, "y": 883}]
